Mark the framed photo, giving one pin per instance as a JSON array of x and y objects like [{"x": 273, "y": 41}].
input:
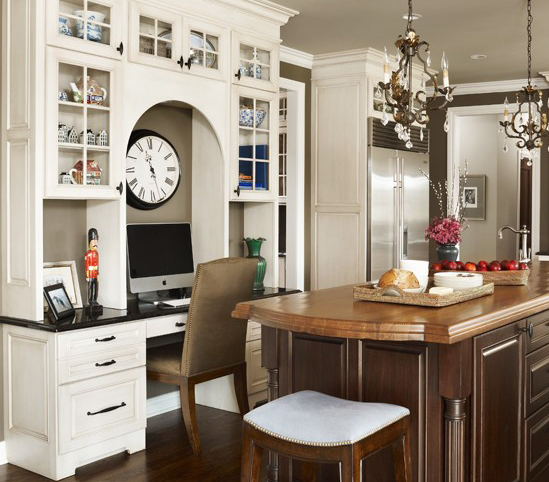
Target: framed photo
[
  {"x": 64, "y": 272},
  {"x": 58, "y": 301},
  {"x": 474, "y": 198}
]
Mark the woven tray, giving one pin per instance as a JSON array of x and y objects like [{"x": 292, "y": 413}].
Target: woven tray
[
  {"x": 367, "y": 292},
  {"x": 499, "y": 278}
]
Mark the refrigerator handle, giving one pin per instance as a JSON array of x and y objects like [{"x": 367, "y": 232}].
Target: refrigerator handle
[
  {"x": 396, "y": 217},
  {"x": 403, "y": 231}
]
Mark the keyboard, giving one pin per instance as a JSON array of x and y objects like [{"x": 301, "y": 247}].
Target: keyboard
[{"x": 177, "y": 303}]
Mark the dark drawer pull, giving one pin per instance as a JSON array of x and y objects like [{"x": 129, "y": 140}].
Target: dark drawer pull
[
  {"x": 106, "y": 364},
  {"x": 179, "y": 324},
  {"x": 109, "y": 338},
  {"x": 109, "y": 409},
  {"x": 529, "y": 329}
]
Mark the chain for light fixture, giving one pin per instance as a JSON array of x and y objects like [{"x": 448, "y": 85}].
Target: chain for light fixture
[
  {"x": 530, "y": 131},
  {"x": 409, "y": 107}
]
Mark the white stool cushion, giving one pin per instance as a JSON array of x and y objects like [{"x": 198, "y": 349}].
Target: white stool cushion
[{"x": 312, "y": 418}]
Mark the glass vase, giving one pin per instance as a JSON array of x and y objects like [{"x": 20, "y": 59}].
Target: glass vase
[{"x": 254, "y": 250}]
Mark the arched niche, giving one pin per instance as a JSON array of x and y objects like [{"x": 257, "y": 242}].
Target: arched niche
[{"x": 200, "y": 198}]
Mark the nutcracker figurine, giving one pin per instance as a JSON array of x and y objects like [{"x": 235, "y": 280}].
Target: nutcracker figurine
[{"x": 92, "y": 272}]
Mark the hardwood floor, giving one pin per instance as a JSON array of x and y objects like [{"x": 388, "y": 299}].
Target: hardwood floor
[{"x": 168, "y": 457}]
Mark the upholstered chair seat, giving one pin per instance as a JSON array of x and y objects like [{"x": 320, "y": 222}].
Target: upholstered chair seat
[{"x": 312, "y": 418}]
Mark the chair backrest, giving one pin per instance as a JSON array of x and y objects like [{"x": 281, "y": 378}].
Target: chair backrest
[{"x": 213, "y": 339}]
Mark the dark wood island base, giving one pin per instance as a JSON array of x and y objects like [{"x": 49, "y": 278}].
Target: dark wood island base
[{"x": 475, "y": 376}]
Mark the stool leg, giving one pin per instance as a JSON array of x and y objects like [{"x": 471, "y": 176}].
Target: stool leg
[
  {"x": 402, "y": 455},
  {"x": 257, "y": 453},
  {"x": 246, "y": 455},
  {"x": 346, "y": 467},
  {"x": 308, "y": 472}
]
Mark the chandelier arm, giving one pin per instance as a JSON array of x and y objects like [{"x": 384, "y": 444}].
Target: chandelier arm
[{"x": 388, "y": 99}]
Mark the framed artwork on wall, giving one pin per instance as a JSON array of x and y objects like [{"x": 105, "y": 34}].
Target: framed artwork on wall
[
  {"x": 474, "y": 197},
  {"x": 64, "y": 272}
]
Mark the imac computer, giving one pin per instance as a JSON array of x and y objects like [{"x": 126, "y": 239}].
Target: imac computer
[{"x": 160, "y": 258}]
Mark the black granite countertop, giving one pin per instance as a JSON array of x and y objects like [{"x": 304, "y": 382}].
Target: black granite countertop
[{"x": 135, "y": 311}]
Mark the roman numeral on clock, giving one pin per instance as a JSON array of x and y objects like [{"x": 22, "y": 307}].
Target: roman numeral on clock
[
  {"x": 133, "y": 182},
  {"x": 142, "y": 192},
  {"x": 171, "y": 169},
  {"x": 138, "y": 145},
  {"x": 153, "y": 197},
  {"x": 149, "y": 142},
  {"x": 168, "y": 156},
  {"x": 169, "y": 181},
  {"x": 130, "y": 169}
]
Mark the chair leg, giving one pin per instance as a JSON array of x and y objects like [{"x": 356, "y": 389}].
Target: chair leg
[
  {"x": 346, "y": 467},
  {"x": 188, "y": 408},
  {"x": 308, "y": 472},
  {"x": 357, "y": 466},
  {"x": 245, "y": 467},
  {"x": 241, "y": 388},
  {"x": 402, "y": 456}
]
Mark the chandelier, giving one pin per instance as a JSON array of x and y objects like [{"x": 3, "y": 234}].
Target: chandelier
[
  {"x": 409, "y": 107},
  {"x": 527, "y": 129}
]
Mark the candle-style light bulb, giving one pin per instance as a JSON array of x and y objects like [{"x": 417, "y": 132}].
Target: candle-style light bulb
[
  {"x": 386, "y": 68},
  {"x": 506, "y": 110},
  {"x": 444, "y": 64}
]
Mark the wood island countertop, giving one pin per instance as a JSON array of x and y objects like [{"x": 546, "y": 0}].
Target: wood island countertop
[{"x": 333, "y": 312}]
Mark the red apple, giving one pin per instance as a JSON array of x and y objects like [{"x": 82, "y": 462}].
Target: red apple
[
  {"x": 483, "y": 264},
  {"x": 512, "y": 265},
  {"x": 452, "y": 266},
  {"x": 460, "y": 265},
  {"x": 482, "y": 268},
  {"x": 494, "y": 266},
  {"x": 470, "y": 266},
  {"x": 504, "y": 264},
  {"x": 444, "y": 263},
  {"x": 436, "y": 267},
  {"x": 523, "y": 266}
]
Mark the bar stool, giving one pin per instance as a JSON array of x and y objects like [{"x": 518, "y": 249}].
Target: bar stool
[{"x": 314, "y": 427}]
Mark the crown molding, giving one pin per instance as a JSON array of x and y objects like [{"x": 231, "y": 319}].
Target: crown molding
[
  {"x": 497, "y": 86},
  {"x": 296, "y": 57}
]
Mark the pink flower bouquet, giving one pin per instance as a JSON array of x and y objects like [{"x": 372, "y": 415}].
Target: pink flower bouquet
[{"x": 444, "y": 230}]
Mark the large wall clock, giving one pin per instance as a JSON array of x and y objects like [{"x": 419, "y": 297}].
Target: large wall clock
[{"x": 153, "y": 170}]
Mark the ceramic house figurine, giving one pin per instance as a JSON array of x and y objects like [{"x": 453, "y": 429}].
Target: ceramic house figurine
[
  {"x": 102, "y": 138},
  {"x": 93, "y": 173},
  {"x": 72, "y": 136},
  {"x": 62, "y": 131},
  {"x": 95, "y": 94},
  {"x": 89, "y": 138}
]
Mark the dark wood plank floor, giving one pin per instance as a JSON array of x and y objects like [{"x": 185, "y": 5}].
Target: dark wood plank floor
[{"x": 168, "y": 456}]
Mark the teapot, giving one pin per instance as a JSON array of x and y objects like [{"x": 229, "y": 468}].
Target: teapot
[{"x": 95, "y": 94}]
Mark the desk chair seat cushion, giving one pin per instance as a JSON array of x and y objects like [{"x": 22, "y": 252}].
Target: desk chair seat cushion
[
  {"x": 165, "y": 359},
  {"x": 312, "y": 418}
]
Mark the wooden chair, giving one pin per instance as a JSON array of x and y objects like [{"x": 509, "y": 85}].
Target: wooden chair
[
  {"x": 314, "y": 427},
  {"x": 214, "y": 344}
]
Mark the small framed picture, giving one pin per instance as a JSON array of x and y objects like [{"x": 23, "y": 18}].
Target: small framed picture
[
  {"x": 474, "y": 198},
  {"x": 64, "y": 272},
  {"x": 58, "y": 301}
]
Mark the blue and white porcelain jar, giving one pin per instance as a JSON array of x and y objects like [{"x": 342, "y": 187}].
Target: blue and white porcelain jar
[{"x": 94, "y": 31}]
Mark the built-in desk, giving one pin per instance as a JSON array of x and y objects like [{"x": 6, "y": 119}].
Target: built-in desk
[{"x": 75, "y": 389}]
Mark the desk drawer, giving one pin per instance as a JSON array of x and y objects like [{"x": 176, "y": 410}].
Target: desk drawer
[
  {"x": 94, "y": 410},
  {"x": 540, "y": 331},
  {"x": 108, "y": 361},
  {"x": 95, "y": 340},
  {"x": 166, "y": 325},
  {"x": 536, "y": 432},
  {"x": 254, "y": 331}
]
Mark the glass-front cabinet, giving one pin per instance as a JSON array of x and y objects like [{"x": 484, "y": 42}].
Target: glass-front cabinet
[
  {"x": 255, "y": 62},
  {"x": 155, "y": 37},
  {"x": 81, "y": 156},
  {"x": 255, "y": 162},
  {"x": 91, "y": 26}
]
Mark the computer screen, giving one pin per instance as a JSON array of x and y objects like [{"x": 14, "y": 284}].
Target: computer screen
[{"x": 160, "y": 256}]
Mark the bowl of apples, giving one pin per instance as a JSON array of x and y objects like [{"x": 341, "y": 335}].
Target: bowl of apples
[{"x": 508, "y": 273}]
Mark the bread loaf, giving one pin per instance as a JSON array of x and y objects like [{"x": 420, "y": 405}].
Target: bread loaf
[{"x": 399, "y": 277}]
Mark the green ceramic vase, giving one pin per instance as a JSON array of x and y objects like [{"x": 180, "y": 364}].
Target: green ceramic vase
[
  {"x": 447, "y": 251},
  {"x": 254, "y": 249}
]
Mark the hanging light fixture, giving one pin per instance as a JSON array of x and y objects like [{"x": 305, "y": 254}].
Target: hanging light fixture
[
  {"x": 530, "y": 128},
  {"x": 409, "y": 107}
]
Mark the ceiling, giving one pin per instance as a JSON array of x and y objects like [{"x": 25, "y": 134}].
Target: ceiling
[{"x": 462, "y": 28}]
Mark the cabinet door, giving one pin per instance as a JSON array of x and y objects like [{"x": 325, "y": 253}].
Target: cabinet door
[
  {"x": 255, "y": 62},
  {"x": 155, "y": 37},
  {"x": 205, "y": 49},
  {"x": 254, "y": 163},
  {"x": 82, "y": 156},
  {"x": 497, "y": 405},
  {"x": 89, "y": 26}
]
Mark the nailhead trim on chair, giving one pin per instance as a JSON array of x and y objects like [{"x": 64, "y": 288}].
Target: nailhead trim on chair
[
  {"x": 190, "y": 319},
  {"x": 325, "y": 444}
]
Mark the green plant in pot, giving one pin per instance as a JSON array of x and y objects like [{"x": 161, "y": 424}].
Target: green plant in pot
[{"x": 254, "y": 251}]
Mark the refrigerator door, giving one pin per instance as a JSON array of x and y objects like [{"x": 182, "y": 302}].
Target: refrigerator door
[
  {"x": 414, "y": 205},
  {"x": 382, "y": 205}
]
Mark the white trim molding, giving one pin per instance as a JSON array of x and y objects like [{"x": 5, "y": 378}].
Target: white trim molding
[
  {"x": 497, "y": 86},
  {"x": 161, "y": 404},
  {"x": 3, "y": 455},
  {"x": 296, "y": 57}
]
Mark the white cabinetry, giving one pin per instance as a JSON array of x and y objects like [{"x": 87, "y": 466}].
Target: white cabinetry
[
  {"x": 72, "y": 398},
  {"x": 257, "y": 375}
]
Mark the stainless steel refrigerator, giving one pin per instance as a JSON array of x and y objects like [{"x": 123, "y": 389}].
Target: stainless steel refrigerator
[{"x": 398, "y": 198}]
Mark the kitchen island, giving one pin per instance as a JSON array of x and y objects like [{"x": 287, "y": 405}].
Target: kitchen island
[{"x": 475, "y": 376}]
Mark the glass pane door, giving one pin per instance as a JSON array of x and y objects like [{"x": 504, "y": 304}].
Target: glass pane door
[
  {"x": 155, "y": 37},
  {"x": 255, "y": 62},
  {"x": 254, "y": 149},
  {"x": 204, "y": 51},
  {"x": 86, "y": 20}
]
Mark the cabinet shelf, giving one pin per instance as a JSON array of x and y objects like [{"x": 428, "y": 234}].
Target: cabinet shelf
[
  {"x": 81, "y": 105},
  {"x": 70, "y": 146}
]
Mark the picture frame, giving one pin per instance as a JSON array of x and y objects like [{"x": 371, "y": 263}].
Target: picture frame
[
  {"x": 58, "y": 301},
  {"x": 474, "y": 194},
  {"x": 64, "y": 272}
]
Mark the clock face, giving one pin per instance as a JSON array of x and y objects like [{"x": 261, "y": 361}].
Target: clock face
[{"x": 153, "y": 170}]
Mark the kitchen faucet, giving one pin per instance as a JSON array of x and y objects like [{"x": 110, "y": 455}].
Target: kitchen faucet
[{"x": 524, "y": 252}]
